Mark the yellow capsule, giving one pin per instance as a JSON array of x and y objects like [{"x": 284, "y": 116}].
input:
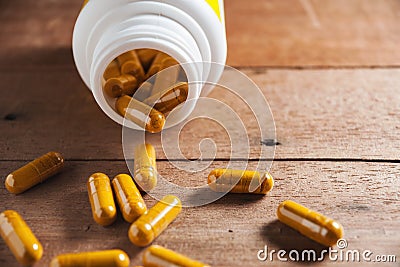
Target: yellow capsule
[
  {"x": 129, "y": 199},
  {"x": 143, "y": 91},
  {"x": 145, "y": 168},
  {"x": 143, "y": 115},
  {"x": 222, "y": 180},
  {"x": 157, "y": 64},
  {"x": 157, "y": 256},
  {"x": 310, "y": 223},
  {"x": 101, "y": 199},
  {"x": 146, "y": 56},
  {"x": 124, "y": 84},
  {"x": 168, "y": 99},
  {"x": 168, "y": 62},
  {"x": 151, "y": 224},
  {"x": 130, "y": 64},
  {"x": 105, "y": 258},
  {"x": 165, "y": 79},
  {"x": 34, "y": 172},
  {"x": 112, "y": 70},
  {"x": 19, "y": 238}
]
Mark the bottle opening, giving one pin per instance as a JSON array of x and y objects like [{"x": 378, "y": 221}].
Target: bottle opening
[{"x": 144, "y": 86}]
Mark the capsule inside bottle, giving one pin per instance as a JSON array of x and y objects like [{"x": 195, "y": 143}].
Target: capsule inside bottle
[
  {"x": 143, "y": 115},
  {"x": 130, "y": 64},
  {"x": 166, "y": 100},
  {"x": 124, "y": 84}
]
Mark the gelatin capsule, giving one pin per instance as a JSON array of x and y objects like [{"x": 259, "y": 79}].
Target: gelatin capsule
[
  {"x": 143, "y": 91},
  {"x": 310, "y": 223},
  {"x": 129, "y": 199},
  {"x": 34, "y": 172},
  {"x": 130, "y": 64},
  {"x": 157, "y": 64},
  {"x": 104, "y": 258},
  {"x": 101, "y": 199},
  {"x": 168, "y": 62},
  {"x": 168, "y": 99},
  {"x": 145, "y": 168},
  {"x": 157, "y": 256},
  {"x": 112, "y": 70},
  {"x": 151, "y": 224},
  {"x": 222, "y": 180},
  {"x": 146, "y": 56},
  {"x": 166, "y": 78},
  {"x": 143, "y": 115},
  {"x": 124, "y": 84},
  {"x": 19, "y": 238}
]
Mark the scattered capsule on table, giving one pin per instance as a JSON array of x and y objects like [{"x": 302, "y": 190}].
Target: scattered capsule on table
[
  {"x": 104, "y": 258},
  {"x": 34, "y": 172},
  {"x": 112, "y": 70},
  {"x": 168, "y": 99},
  {"x": 239, "y": 181},
  {"x": 124, "y": 84},
  {"x": 157, "y": 256},
  {"x": 19, "y": 238},
  {"x": 130, "y": 64},
  {"x": 129, "y": 199},
  {"x": 145, "y": 168},
  {"x": 151, "y": 224},
  {"x": 143, "y": 91},
  {"x": 101, "y": 199},
  {"x": 310, "y": 223},
  {"x": 143, "y": 115},
  {"x": 146, "y": 56}
]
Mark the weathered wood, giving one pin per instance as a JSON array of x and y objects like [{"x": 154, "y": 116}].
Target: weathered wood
[
  {"x": 313, "y": 33},
  {"x": 318, "y": 114},
  {"x": 363, "y": 197},
  {"x": 263, "y": 33}
]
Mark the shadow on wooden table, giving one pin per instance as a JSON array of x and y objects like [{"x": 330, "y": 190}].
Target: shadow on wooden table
[
  {"x": 238, "y": 199},
  {"x": 46, "y": 57},
  {"x": 281, "y": 237}
]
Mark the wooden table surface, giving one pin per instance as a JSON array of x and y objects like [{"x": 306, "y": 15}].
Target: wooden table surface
[{"x": 330, "y": 71}]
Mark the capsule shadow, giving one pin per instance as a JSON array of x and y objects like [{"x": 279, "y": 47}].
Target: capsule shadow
[{"x": 297, "y": 247}]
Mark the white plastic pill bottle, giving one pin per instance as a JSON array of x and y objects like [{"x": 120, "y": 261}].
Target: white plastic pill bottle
[{"x": 187, "y": 30}]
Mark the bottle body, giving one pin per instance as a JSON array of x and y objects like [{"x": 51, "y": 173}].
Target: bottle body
[{"x": 188, "y": 31}]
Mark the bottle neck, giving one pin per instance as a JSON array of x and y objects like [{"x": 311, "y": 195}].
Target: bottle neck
[{"x": 147, "y": 31}]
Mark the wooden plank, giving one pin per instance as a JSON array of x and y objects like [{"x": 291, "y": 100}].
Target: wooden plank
[
  {"x": 263, "y": 33},
  {"x": 318, "y": 114},
  {"x": 313, "y": 33},
  {"x": 364, "y": 197}
]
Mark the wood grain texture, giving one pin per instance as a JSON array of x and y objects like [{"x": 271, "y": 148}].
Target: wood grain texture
[
  {"x": 363, "y": 197},
  {"x": 263, "y": 33},
  {"x": 347, "y": 114},
  {"x": 336, "y": 112},
  {"x": 313, "y": 33}
]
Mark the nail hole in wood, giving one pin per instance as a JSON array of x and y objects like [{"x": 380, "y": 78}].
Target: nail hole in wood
[
  {"x": 10, "y": 117},
  {"x": 270, "y": 142}
]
